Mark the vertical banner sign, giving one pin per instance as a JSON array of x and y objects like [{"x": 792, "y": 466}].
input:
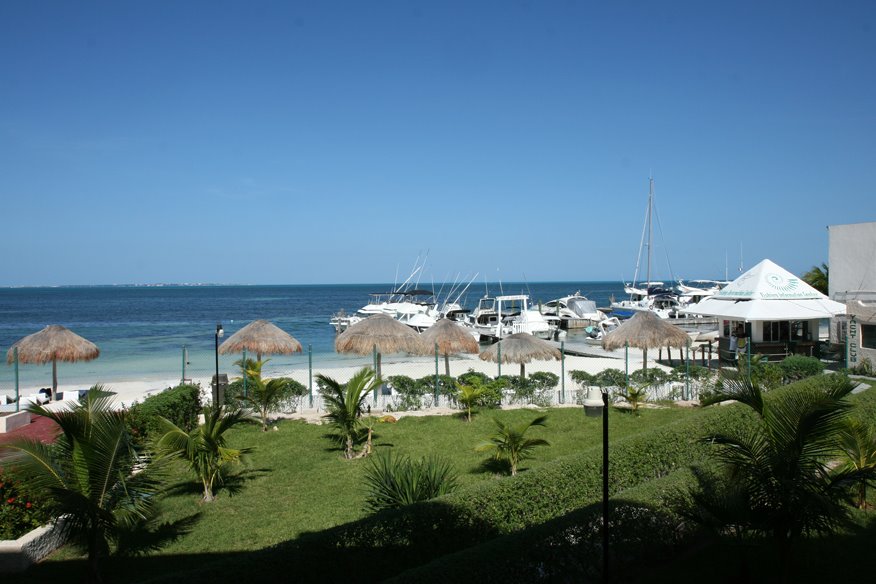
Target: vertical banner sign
[{"x": 852, "y": 344}]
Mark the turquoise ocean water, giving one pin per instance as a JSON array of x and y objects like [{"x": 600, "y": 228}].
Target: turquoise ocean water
[{"x": 141, "y": 330}]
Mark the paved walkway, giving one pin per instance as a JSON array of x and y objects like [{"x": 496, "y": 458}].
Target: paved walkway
[{"x": 40, "y": 428}]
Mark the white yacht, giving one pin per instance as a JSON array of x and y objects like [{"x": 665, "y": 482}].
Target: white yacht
[
  {"x": 574, "y": 311},
  {"x": 499, "y": 316}
]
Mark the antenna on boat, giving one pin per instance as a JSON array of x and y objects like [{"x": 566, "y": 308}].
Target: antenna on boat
[
  {"x": 525, "y": 281},
  {"x": 501, "y": 291},
  {"x": 725, "y": 265},
  {"x": 740, "y": 257}
]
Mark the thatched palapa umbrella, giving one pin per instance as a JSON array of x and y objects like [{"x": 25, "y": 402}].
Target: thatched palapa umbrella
[
  {"x": 645, "y": 330},
  {"x": 381, "y": 331},
  {"x": 54, "y": 343},
  {"x": 450, "y": 338},
  {"x": 261, "y": 337},
  {"x": 521, "y": 348}
]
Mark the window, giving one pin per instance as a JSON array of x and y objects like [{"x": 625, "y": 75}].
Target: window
[
  {"x": 776, "y": 331},
  {"x": 868, "y": 336}
]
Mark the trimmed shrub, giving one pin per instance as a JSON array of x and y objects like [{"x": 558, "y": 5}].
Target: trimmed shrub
[
  {"x": 611, "y": 378},
  {"x": 582, "y": 378},
  {"x": 644, "y": 527},
  {"x": 649, "y": 377},
  {"x": 493, "y": 388},
  {"x": 797, "y": 367},
  {"x": 181, "y": 405}
]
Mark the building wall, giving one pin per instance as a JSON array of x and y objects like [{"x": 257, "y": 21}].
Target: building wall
[{"x": 852, "y": 263}]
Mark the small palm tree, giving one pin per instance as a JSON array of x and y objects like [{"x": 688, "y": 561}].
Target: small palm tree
[
  {"x": 780, "y": 471},
  {"x": 345, "y": 403},
  {"x": 88, "y": 474},
  {"x": 468, "y": 396},
  {"x": 635, "y": 396},
  {"x": 511, "y": 444},
  {"x": 857, "y": 441},
  {"x": 205, "y": 448}
]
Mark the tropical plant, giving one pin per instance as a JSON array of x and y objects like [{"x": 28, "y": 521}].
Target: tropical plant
[
  {"x": 88, "y": 475},
  {"x": 818, "y": 278},
  {"x": 268, "y": 396},
  {"x": 397, "y": 481},
  {"x": 345, "y": 403},
  {"x": 20, "y": 509},
  {"x": 782, "y": 484},
  {"x": 510, "y": 443},
  {"x": 857, "y": 441},
  {"x": 635, "y": 395},
  {"x": 468, "y": 396},
  {"x": 205, "y": 448}
]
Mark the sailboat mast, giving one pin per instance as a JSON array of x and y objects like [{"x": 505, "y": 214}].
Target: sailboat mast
[{"x": 650, "y": 233}]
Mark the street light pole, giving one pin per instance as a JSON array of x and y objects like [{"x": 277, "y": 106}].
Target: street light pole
[
  {"x": 219, "y": 333},
  {"x": 605, "y": 572}
]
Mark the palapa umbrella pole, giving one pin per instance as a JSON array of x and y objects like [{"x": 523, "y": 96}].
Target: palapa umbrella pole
[
  {"x": 522, "y": 372},
  {"x": 54, "y": 379}
]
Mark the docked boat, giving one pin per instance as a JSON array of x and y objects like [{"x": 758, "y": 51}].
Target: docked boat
[
  {"x": 648, "y": 295},
  {"x": 496, "y": 317},
  {"x": 574, "y": 311},
  {"x": 595, "y": 332}
]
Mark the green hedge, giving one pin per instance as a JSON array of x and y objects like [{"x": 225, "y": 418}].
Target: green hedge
[
  {"x": 181, "y": 405},
  {"x": 643, "y": 526}
]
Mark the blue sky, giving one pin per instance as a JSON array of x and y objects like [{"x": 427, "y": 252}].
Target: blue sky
[{"x": 330, "y": 142}]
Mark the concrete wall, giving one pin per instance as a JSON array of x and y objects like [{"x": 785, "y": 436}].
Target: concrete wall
[
  {"x": 852, "y": 263},
  {"x": 851, "y": 259}
]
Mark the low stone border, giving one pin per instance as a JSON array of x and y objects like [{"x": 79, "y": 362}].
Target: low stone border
[
  {"x": 30, "y": 548},
  {"x": 13, "y": 421}
]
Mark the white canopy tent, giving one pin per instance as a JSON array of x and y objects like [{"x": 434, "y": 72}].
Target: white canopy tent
[{"x": 768, "y": 292}]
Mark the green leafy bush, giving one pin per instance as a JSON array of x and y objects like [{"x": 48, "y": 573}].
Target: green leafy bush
[
  {"x": 181, "y": 405},
  {"x": 611, "y": 378},
  {"x": 797, "y": 367},
  {"x": 405, "y": 385},
  {"x": 493, "y": 388},
  {"x": 21, "y": 511},
  {"x": 582, "y": 378},
  {"x": 535, "y": 389},
  {"x": 767, "y": 375},
  {"x": 649, "y": 377},
  {"x": 397, "y": 481}
]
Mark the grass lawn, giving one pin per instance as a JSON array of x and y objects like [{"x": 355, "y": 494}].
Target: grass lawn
[{"x": 297, "y": 481}]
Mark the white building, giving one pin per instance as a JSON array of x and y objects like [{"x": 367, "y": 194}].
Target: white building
[{"x": 852, "y": 264}]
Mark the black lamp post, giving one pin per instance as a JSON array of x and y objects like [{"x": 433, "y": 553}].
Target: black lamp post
[
  {"x": 605, "y": 572},
  {"x": 219, "y": 333}
]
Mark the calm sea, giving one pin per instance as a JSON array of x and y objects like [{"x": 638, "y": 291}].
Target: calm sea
[{"x": 141, "y": 331}]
